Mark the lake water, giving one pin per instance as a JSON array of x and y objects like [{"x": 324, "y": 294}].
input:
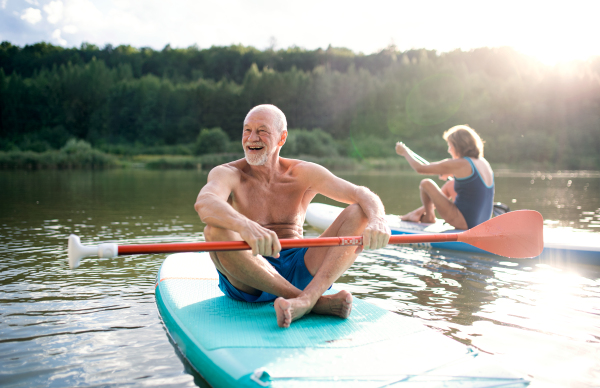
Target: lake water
[{"x": 98, "y": 325}]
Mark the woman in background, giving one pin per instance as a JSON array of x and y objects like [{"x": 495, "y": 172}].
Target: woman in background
[{"x": 468, "y": 199}]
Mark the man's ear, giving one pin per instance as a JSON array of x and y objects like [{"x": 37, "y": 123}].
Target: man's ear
[{"x": 284, "y": 136}]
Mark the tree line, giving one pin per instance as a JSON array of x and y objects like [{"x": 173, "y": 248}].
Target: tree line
[{"x": 528, "y": 113}]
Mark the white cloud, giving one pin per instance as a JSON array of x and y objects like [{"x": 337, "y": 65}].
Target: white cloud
[
  {"x": 433, "y": 24},
  {"x": 83, "y": 13},
  {"x": 57, "y": 38},
  {"x": 54, "y": 9},
  {"x": 32, "y": 15},
  {"x": 4, "y": 4},
  {"x": 32, "y": 2},
  {"x": 70, "y": 29}
]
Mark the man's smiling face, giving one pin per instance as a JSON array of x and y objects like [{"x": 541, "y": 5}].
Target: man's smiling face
[{"x": 260, "y": 137}]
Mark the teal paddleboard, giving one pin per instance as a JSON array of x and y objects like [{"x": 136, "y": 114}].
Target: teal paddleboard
[{"x": 238, "y": 344}]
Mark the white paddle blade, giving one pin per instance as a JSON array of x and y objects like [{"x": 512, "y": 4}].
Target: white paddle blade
[{"x": 77, "y": 251}]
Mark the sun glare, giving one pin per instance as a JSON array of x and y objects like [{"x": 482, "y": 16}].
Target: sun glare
[
  {"x": 554, "y": 32},
  {"x": 562, "y": 49}
]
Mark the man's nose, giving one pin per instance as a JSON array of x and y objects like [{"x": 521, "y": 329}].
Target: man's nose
[{"x": 254, "y": 136}]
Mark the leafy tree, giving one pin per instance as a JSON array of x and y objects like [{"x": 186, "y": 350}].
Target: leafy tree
[
  {"x": 316, "y": 143},
  {"x": 74, "y": 146},
  {"x": 211, "y": 141}
]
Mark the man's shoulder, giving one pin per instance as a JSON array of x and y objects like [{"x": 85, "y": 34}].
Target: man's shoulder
[
  {"x": 231, "y": 168},
  {"x": 236, "y": 163},
  {"x": 302, "y": 166}
]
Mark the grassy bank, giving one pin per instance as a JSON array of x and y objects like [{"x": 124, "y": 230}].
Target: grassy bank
[
  {"x": 95, "y": 159},
  {"x": 209, "y": 161},
  {"x": 78, "y": 154},
  {"x": 74, "y": 155},
  {"x": 333, "y": 163}
]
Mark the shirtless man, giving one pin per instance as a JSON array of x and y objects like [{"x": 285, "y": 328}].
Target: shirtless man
[{"x": 263, "y": 198}]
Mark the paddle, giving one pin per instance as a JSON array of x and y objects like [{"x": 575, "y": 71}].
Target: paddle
[
  {"x": 517, "y": 234},
  {"x": 417, "y": 157},
  {"x": 422, "y": 160}
]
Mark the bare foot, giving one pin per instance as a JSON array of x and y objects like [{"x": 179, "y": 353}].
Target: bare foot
[
  {"x": 339, "y": 304},
  {"x": 428, "y": 218},
  {"x": 414, "y": 216},
  {"x": 289, "y": 310}
]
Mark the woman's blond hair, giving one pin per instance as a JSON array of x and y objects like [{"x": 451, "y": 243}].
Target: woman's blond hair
[{"x": 465, "y": 140}]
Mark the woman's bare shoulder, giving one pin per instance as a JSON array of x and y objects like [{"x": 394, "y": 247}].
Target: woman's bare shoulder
[
  {"x": 482, "y": 163},
  {"x": 484, "y": 160},
  {"x": 485, "y": 170}
]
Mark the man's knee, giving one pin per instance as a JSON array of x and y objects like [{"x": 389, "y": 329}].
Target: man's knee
[
  {"x": 209, "y": 233},
  {"x": 212, "y": 233},
  {"x": 224, "y": 262},
  {"x": 356, "y": 212}
]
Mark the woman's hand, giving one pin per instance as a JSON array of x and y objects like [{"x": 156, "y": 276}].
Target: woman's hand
[{"x": 401, "y": 149}]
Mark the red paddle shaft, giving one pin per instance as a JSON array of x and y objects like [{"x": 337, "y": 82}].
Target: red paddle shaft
[
  {"x": 285, "y": 243},
  {"x": 516, "y": 234}
]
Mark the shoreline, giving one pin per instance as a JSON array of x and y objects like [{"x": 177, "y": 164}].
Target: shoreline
[{"x": 53, "y": 160}]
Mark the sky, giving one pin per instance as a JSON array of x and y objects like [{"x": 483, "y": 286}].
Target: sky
[{"x": 552, "y": 31}]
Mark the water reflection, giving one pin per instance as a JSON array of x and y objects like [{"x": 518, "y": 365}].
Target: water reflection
[
  {"x": 524, "y": 311},
  {"x": 98, "y": 325}
]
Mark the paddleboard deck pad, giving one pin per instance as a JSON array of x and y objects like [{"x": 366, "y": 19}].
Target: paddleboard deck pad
[
  {"x": 238, "y": 344},
  {"x": 560, "y": 244}
]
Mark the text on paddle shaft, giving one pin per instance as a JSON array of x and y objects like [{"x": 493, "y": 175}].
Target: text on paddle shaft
[{"x": 351, "y": 241}]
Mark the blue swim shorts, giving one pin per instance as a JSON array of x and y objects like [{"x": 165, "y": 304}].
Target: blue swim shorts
[{"x": 290, "y": 265}]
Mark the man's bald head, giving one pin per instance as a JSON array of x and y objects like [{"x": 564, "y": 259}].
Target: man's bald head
[{"x": 279, "y": 120}]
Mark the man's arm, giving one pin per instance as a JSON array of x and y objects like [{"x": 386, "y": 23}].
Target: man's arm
[
  {"x": 214, "y": 210},
  {"x": 377, "y": 233}
]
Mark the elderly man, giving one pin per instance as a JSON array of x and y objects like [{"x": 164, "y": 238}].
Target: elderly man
[{"x": 263, "y": 198}]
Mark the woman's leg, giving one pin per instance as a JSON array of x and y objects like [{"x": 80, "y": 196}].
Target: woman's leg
[
  {"x": 425, "y": 213},
  {"x": 448, "y": 190},
  {"x": 414, "y": 216},
  {"x": 433, "y": 198}
]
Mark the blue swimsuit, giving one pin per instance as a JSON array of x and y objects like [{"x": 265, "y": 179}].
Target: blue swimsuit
[
  {"x": 290, "y": 265},
  {"x": 474, "y": 198}
]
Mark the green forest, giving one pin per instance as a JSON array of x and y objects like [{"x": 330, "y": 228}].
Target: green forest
[{"x": 187, "y": 101}]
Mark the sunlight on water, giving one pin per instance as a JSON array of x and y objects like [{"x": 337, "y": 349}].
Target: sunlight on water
[
  {"x": 540, "y": 320},
  {"x": 98, "y": 325}
]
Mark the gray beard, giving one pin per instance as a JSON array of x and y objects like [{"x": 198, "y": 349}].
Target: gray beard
[{"x": 257, "y": 160}]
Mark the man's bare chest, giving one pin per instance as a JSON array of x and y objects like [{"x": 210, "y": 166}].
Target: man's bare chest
[{"x": 276, "y": 202}]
